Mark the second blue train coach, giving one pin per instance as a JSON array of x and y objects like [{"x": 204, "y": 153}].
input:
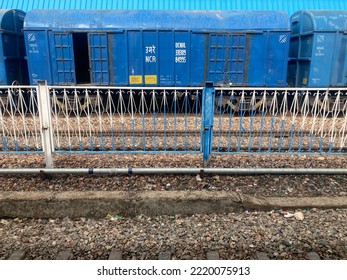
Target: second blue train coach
[{"x": 317, "y": 56}]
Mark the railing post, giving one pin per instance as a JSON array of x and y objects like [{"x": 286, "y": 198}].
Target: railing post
[
  {"x": 45, "y": 114},
  {"x": 208, "y": 98}
]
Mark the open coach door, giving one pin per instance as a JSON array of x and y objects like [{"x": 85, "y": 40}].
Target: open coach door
[
  {"x": 98, "y": 58},
  {"x": 64, "y": 59}
]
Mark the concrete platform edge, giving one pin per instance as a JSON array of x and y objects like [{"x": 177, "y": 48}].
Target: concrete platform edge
[{"x": 97, "y": 204}]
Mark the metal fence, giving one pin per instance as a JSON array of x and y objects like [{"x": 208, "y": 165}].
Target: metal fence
[
  {"x": 20, "y": 129},
  {"x": 172, "y": 120},
  {"x": 127, "y": 120},
  {"x": 266, "y": 120}
]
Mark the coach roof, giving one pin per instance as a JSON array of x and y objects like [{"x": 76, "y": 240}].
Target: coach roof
[
  {"x": 9, "y": 20},
  {"x": 314, "y": 20},
  {"x": 160, "y": 19}
]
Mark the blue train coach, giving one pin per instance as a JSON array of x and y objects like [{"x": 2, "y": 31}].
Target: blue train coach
[
  {"x": 318, "y": 50},
  {"x": 157, "y": 48},
  {"x": 13, "y": 66}
]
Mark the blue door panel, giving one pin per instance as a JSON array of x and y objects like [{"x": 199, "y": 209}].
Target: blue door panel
[
  {"x": 321, "y": 65},
  {"x": 226, "y": 61},
  {"x": 198, "y": 66},
  {"x": 98, "y": 48},
  {"x": 217, "y": 44},
  {"x": 339, "y": 75},
  {"x": 119, "y": 59},
  {"x": 38, "y": 58},
  {"x": 236, "y": 64},
  {"x": 135, "y": 57},
  {"x": 276, "y": 64},
  {"x": 62, "y": 59},
  {"x": 256, "y": 75}
]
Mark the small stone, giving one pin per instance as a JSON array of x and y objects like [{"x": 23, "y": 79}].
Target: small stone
[
  {"x": 323, "y": 242},
  {"x": 4, "y": 222},
  {"x": 216, "y": 177},
  {"x": 288, "y": 215},
  {"x": 287, "y": 243},
  {"x": 342, "y": 193},
  {"x": 198, "y": 178},
  {"x": 299, "y": 216}
]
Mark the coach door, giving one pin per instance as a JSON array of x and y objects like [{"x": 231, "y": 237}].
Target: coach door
[
  {"x": 98, "y": 55},
  {"x": 226, "y": 63},
  {"x": 64, "y": 65}
]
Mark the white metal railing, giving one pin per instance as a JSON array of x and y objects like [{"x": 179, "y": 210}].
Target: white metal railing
[
  {"x": 126, "y": 119},
  {"x": 19, "y": 120},
  {"x": 282, "y": 120},
  {"x": 169, "y": 120}
]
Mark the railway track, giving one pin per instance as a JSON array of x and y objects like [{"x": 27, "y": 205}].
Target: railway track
[{"x": 165, "y": 255}]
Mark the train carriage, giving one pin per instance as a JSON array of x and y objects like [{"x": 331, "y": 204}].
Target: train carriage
[
  {"x": 317, "y": 56},
  {"x": 13, "y": 68},
  {"x": 157, "y": 48}
]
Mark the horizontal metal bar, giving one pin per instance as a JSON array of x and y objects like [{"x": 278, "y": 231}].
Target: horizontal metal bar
[
  {"x": 280, "y": 89},
  {"x": 125, "y": 88},
  {"x": 171, "y": 152},
  {"x": 175, "y": 171},
  {"x": 13, "y": 152},
  {"x": 174, "y": 88},
  {"x": 284, "y": 151},
  {"x": 18, "y": 87}
]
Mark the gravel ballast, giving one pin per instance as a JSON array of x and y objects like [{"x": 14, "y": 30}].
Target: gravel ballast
[
  {"x": 233, "y": 236},
  {"x": 238, "y": 235}
]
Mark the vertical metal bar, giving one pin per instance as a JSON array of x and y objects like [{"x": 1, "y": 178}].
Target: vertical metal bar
[
  {"x": 110, "y": 106},
  {"x": 143, "y": 120},
  {"x": 251, "y": 119},
  {"x": 12, "y": 112},
  {"x": 78, "y": 119},
  {"x": 208, "y": 96},
  {"x": 46, "y": 122},
  {"x": 132, "y": 118},
  {"x": 230, "y": 123},
  {"x": 154, "y": 120},
  {"x": 98, "y": 110},
  {"x": 22, "y": 112},
  {"x": 175, "y": 119},
  {"x": 121, "y": 112},
  {"x": 196, "y": 101},
  {"x": 185, "y": 120},
  {"x": 164, "y": 119},
  {"x": 242, "y": 111},
  {"x": 220, "y": 111}
]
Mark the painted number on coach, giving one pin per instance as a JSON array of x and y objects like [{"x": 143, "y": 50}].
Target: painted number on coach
[{"x": 180, "y": 52}]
